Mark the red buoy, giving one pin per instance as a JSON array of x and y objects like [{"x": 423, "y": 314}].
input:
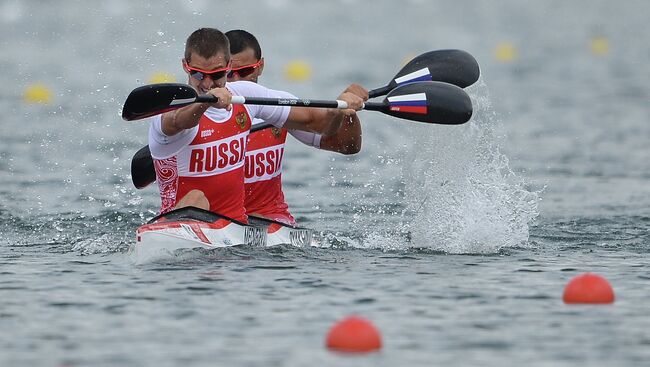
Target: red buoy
[
  {"x": 588, "y": 288},
  {"x": 353, "y": 334}
]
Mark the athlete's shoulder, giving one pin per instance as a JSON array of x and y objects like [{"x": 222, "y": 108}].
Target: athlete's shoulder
[{"x": 242, "y": 88}]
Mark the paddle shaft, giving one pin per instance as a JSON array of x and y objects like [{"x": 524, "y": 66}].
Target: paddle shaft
[
  {"x": 292, "y": 102},
  {"x": 370, "y": 106},
  {"x": 379, "y": 91}
]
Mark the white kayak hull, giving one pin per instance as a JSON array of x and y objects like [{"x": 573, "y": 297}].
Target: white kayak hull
[{"x": 192, "y": 228}]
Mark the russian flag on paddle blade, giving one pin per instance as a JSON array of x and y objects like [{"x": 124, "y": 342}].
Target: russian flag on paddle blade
[
  {"x": 421, "y": 75},
  {"x": 413, "y": 103}
]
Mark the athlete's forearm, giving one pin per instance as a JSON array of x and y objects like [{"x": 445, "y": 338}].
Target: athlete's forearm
[
  {"x": 334, "y": 120},
  {"x": 174, "y": 122},
  {"x": 317, "y": 120},
  {"x": 347, "y": 139}
]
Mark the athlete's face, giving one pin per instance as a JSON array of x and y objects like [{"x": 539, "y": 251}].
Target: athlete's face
[
  {"x": 205, "y": 74},
  {"x": 250, "y": 68}
]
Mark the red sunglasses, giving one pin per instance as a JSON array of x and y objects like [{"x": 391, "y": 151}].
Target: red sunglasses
[
  {"x": 200, "y": 74},
  {"x": 244, "y": 70}
]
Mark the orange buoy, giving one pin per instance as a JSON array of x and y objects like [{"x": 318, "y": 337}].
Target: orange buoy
[
  {"x": 588, "y": 288},
  {"x": 353, "y": 334}
]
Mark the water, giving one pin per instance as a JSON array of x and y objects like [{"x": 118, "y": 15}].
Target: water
[{"x": 455, "y": 241}]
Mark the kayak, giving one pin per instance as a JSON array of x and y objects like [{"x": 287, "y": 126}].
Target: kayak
[{"x": 192, "y": 228}]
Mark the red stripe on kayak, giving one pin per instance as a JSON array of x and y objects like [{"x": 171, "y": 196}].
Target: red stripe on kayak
[
  {"x": 220, "y": 223},
  {"x": 199, "y": 233},
  {"x": 410, "y": 109},
  {"x": 273, "y": 227}
]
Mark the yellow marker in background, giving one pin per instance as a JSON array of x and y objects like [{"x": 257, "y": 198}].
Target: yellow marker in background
[
  {"x": 297, "y": 71},
  {"x": 506, "y": 52},
  {"x": 162, "y": 77},
  {"x": 37, "y": 93},
  {"x": 599, "y": 46}
]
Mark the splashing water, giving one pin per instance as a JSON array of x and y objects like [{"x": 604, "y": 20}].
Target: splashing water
[{"x": 463, "y": 196}]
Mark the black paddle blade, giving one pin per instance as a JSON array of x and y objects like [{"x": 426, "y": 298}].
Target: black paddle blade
[
  {"x": 455, "y": 67},
  {"x": 154, "y": 99},
  {"x": 143, "y": 171},
  {"x": 432, "y": 102}
]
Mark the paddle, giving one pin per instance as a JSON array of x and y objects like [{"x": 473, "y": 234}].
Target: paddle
[
  {"x": 428, "y": 102},
  {"x": 441, "y": 103},
  {"x": 143, "y": 172},
  {"x": 450, "y": 66}
]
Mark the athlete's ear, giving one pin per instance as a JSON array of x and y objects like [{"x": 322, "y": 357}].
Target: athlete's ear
[{"x": 261, "y": 68}]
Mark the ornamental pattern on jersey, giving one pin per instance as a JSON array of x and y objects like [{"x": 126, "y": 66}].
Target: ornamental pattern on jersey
[
  {"x": 167, "y": 176},
  {"x": 241, "y": 119}
]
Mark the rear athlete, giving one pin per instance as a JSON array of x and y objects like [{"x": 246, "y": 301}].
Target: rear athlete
[{"x": 265, "y": 149}]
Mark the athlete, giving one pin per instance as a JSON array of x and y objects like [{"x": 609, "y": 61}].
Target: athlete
[
  {"x": 199, "y": 150},
  {"x": 265, "y": 148}
]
